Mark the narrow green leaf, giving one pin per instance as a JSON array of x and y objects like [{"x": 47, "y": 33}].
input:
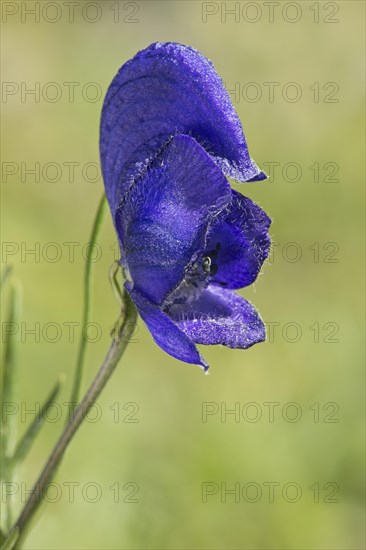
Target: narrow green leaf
[
  {"x": 6, "y": 272},
  {"x": 9, "y": 395},
  {"x": 30, "y": 435},
  {"x": 10, "y": 540},
  {"x": 88, "y": 280},
  {"x": 11, "y": 327}
]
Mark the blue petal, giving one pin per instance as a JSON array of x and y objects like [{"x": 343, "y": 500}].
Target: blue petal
[
  {"x": 167, "y": 89},
  {"x": 165, "y": 217},
  {"x": 165, "y": 332},
  {"x": 240, "y": 242},
  {"x": 220, "y": 316}
]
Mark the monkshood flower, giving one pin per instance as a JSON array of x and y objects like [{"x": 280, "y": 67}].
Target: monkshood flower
[{"x": 169, "y": 136}]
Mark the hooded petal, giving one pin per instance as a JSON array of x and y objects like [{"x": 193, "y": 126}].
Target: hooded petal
[
  {"x": 166, "y": 215},
  {"x": 166, "y": 89},
  {"x": 239, "y": 242},
  {"x": 220, "y": 316},
  {"x": 165, "y": 332}
]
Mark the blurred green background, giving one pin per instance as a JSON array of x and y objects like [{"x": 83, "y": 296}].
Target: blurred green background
[{"x": 311, "y": 293}]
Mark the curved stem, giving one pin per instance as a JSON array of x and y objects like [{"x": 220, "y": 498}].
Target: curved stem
[
  {"x": 110, "y": 362},
  {"x": 88, "y": 275}
]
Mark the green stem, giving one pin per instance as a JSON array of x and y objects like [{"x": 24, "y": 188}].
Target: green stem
[
  {"x": 88, "y": 279},
  {"x": 110, "y": 362}
]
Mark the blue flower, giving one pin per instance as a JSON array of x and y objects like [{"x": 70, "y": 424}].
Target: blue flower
[{"x": 169, "y": 136}]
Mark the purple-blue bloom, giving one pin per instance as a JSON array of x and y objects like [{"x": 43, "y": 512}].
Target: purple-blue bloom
[{"x": 169, "y": 136}]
